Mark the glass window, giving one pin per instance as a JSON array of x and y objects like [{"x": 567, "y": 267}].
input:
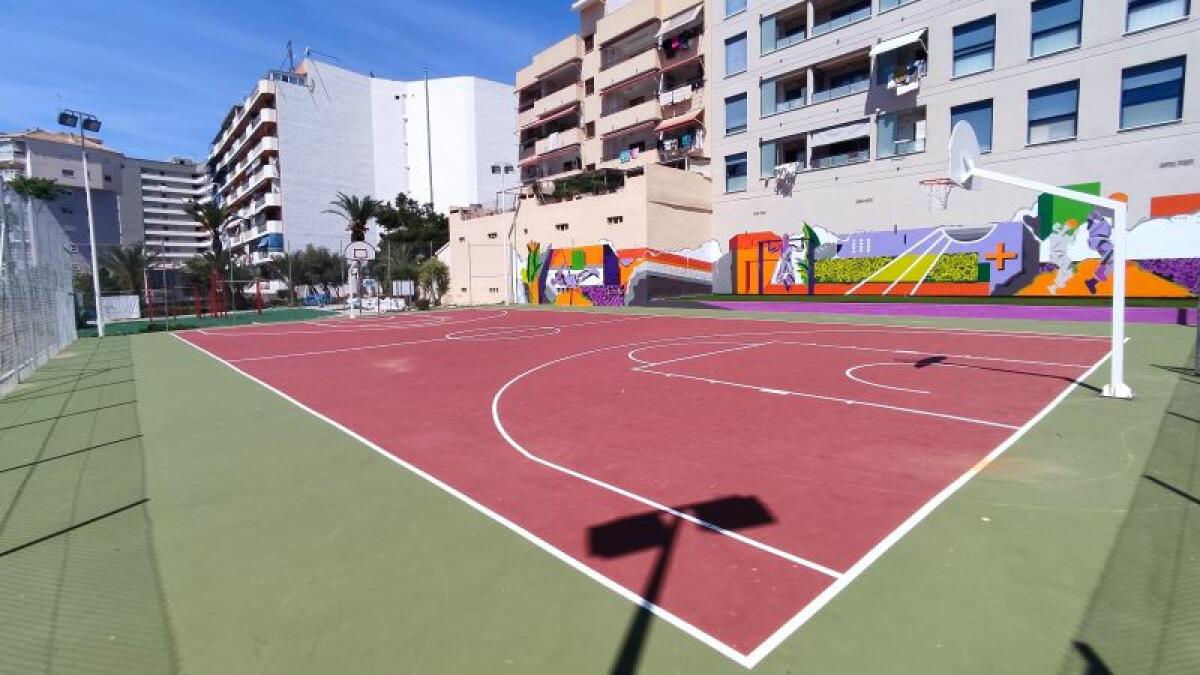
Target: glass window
[
  {"x": 735, "y": 55},
  {"x": 975, "y": 47},
  {"x": 734, "y": 7},
  {"x": 1152, "y": 93},
  {"x": 1150, "y": 13},
  {"x": 735, "y": 114},
  {"x": 735, "y": 172},
  {"x": 1057, "y": 25},
  {"x": 892, "y": 4},
  {"x": 979, "y": 116},
  {"x": 1054, "y": 112},
  {"x": 900, "y": 133}
]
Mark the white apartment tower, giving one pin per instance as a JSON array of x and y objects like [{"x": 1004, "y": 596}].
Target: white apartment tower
[{"x": 302, "y": 136}]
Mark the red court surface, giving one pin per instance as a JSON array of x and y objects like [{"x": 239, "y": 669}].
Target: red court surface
[{"x": 764, "y": 463}]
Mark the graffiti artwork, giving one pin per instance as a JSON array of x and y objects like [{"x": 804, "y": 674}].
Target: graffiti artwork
[
  {"x": 1058, "y": 247},
  {"x": 598, "y": 275}
]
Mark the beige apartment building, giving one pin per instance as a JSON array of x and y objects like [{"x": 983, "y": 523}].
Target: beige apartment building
[{"x": 612, "y": 147}]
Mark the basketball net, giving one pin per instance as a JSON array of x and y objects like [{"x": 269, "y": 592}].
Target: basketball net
[{"x": 937, "y": 192}]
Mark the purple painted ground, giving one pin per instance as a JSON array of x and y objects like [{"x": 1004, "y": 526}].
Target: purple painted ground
[{"x": 1159, "y": 315}]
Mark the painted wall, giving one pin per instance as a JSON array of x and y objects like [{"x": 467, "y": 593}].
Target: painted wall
[{"x": 1054, "y": 247}]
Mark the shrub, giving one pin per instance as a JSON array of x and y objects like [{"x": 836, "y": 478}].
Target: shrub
[{"x": 423, "y": 304}]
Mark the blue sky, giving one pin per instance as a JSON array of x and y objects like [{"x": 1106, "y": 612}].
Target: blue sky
[{"x": 161, "y": 73}]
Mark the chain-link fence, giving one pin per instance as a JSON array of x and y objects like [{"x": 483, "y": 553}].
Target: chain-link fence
[{"x": 37, "y": 305}]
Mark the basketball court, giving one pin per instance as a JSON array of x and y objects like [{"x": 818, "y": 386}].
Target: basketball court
[{"x": 730, "y": 475}]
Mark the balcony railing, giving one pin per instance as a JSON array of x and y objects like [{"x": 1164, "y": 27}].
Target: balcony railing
[
  {"x": 842, "y": 159},
  {"x": 638, "y": 64},
  {"x": 630, "y": 16},
  {"x": 840, "y": 20},
  {"x": 839, "y": 91},
  {"x": 559, "y": 140},
  {"x": 562, "y": 98},
  {"x": 629, "y": 117}
]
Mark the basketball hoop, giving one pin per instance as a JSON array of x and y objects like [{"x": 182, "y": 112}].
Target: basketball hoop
[{"x": 937, "y": 192}]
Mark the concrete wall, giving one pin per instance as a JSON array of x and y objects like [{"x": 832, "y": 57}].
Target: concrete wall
[{"x": 883, "y": 193}]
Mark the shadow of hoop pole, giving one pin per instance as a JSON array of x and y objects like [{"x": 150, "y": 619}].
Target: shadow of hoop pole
[{"x": 658, "y": 530}]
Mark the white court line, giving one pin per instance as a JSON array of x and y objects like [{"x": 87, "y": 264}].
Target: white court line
[
  {"x": 649, "y": 364},
  {"x": 832, "y": 399},
  {"x": 899, "y": 327},
  {"x": 850, "y": 374},
  {"x": 346, "y": 350},
  {"x": 664, "y": 614},
  {"x": 913, "y": 352},
  {"x": 785, "y": 631},
  {"x": 352, "y": 329}
]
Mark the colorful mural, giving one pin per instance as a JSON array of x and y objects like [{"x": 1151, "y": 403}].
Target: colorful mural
[
  {"x": 1057, "y": 247},
  {"x": 598, "y": 275}
]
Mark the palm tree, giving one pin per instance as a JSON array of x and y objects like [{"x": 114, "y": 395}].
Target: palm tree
[
  {"x": 41, "y": 189},
  {"x": 212, "y": 218},
  {"x": 358, "y": 212},
  {"x": 127, "y": 265}
]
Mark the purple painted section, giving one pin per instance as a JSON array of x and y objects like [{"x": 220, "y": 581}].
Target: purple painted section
[
  {"x": 1155, "y": 315},
  {"x": 1183, "y": 271},
  {"x": 605, "y": 296}
]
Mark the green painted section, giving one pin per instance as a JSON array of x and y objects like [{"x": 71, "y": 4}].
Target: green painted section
[
  {"x": 281, "y": 544},
  {"x": 1052, "y": 209}
]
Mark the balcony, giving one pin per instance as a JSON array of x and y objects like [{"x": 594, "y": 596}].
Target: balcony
[
  {"x": 643, "y": 113},
  {"x": 632, "y": 16},
  {"x": 526, "y": 118},
  {"x": 682, "y": 56},
  {"x": 839, "y": 16},
  {"x": 557, "y": 100},
  {"x": 559, "y": 140},
  {"x": 645, "y": 157},
  {"x": 637, "y": 65},
  {"x": 560, "y": 54},
  {"x": 846, "y": 77}
]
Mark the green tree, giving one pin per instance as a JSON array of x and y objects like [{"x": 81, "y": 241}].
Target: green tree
[
  {"x": 358, "y": 212},
  {"x": 127, "y": 266},
  {"x": 320, "y": 267},
  {"x": 415, "y": 230},
  {"x": 289, "y": 268},
  {"x": 434, "y": 278},
  {"x": 40, "y": 189},
  {"x": 198, "y": 272},
  {"x": 211, "y": 218}
]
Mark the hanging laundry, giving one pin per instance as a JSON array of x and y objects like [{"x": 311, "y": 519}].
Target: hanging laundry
[
  {"x": 686, "y": 140},
  {"x": 670, "y": 144},
  {"x": 699, "y": 141},
  {"x": 624, "y": 157},
  {"x": 633, "y": 152}
]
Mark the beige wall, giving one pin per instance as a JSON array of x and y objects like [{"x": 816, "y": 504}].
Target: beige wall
[{"x": 665, "y": 209}]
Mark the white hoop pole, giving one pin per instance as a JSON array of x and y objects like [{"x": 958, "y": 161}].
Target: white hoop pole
[{"x": 1116, "y": 388}]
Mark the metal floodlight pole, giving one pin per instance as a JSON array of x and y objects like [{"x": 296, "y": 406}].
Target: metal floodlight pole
[
  {"x": 87, "y": 122},
  {"x": 1116, "y": 388},
  {"x": 429, "y": 136}
]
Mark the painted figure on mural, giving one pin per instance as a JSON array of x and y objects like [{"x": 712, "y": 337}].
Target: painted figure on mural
[
  {"x": 1099, "y": 230},
  {"x": 788, "y": 270},
  {"x": 1058, "y": 253}
]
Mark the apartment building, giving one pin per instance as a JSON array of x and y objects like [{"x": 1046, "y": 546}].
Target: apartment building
[
  {"x": 830, "y": 111},
  {"x": 152, "y": 208},
  {"x": 57, "y": 156},
  {"x": 612, "y": 146},
  {"x": 300, "y": 137}
]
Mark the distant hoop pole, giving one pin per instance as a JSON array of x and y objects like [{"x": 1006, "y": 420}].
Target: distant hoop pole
[{"x": 1116, "y": 388}]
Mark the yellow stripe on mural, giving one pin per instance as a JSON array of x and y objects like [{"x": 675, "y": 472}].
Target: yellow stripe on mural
[{"x": 900, "y": 266}]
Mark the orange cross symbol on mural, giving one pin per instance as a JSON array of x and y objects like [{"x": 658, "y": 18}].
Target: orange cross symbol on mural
[{"x": 1001, "y": 256}]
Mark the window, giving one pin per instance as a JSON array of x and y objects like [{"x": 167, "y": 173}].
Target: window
[
  {"x": 68, "y": 210},
  {"x": 1053, "y": 112},
  {"x": 508, "y": 168},
  {"x": 735, "y": 55},
  {"x": 562, "y": 227},
  {"x": 979, "y": 116},
  {"x": 1152, "y": 93},
  {"x": 589, "y": 43},
  {"x": 462, "y": 239},
  {"x": 590, "y": 129},
  {"x": 1057, "y": 26},
  {"x": 68, "y": 172},
  {"x": 1145, "y": 14},
  {"x": 494, "y": 289},
  {"x": 735, "y": 114},
  {"x": 885, "y": 5},
  {"x": 492, "y": 235},
  {"x": 734, "y": 7},
  {"x": 975, "y": 47},
  {"x": 496, "y": 169},
  {"x": 616, "y": 220},
  {"x": 735, "y": 172},
  {"x": 589, "y": 86},
  {"x": 900, "y": 133}
]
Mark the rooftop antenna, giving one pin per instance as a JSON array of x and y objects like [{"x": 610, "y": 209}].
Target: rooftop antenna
[
  {"x": 309, "y": 51},
  {"x": 291, "y": 58}
]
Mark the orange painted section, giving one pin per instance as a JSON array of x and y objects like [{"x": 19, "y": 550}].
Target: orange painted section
[
  {"x": 1139, "y": 283},
  {"x": 1174, "y": 205},
  {"x": 572, "y": 297}
]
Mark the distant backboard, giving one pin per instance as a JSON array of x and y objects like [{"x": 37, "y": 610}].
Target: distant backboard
[
  {"x": 964, "y": 155},
  {"x": 359, "y": 251}
]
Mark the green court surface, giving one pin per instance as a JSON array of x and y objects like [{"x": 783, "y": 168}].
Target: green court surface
[
  {"x": 161, "y": 512},
  {"x": 190, "y": 321}
]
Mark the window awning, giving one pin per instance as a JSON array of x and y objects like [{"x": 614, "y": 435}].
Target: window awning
[
  {"x": 679, "y": 121},
  {"x": 630, "y": 80},
  {"x": 681, "y": 22},
  {"x": 845, "y": 132},
  {"x": 629, "y": 129},
  {"x": 898, "y": 42},
  {"x": 552, "y": 116}
]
